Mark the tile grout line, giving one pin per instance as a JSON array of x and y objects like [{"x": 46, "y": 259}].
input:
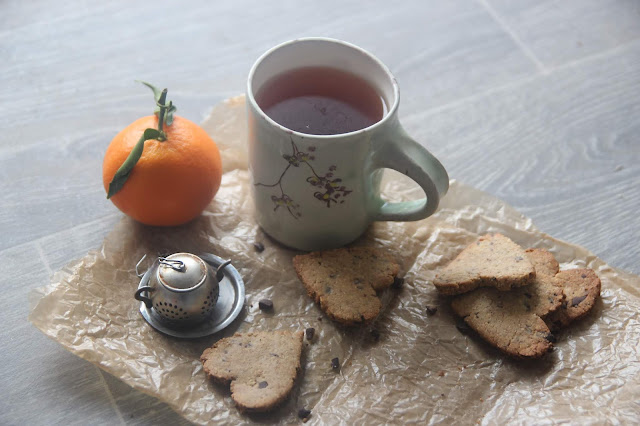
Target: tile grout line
[
  {"x": 516, "y": 39},
  {"x": 430, "y": 111},
  {"x": 43, "y": 258},
  {"x": 523, "y": 80},
  {"x": 112, "y": 400},
  {"x": 594, "y": 56}
]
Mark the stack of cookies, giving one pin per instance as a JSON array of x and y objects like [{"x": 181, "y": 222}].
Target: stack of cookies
[{"x": 514, "y": 298}]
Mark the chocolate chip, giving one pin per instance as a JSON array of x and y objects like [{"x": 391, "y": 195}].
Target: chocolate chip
[
  {"x": 431, "y": 310},
  {"x": 263, "y": 385},
  {"x": 265, "y": 305},
  {"x": 576, "y": 300},
  {"x": 303, "y": 413},
  {"x": 310, "y": 332},
  {"x": 335, "y": 363},
  {"x": 375, "y": 335},
  {"x": 584, "y": 275},
  {"x": 397, "y": 282},
  {"x": 462, "y": 326},
  {"x": 550, "y": 338},
  {"x": 528, "y": 295},
  {"x": 259, "y": 247}
]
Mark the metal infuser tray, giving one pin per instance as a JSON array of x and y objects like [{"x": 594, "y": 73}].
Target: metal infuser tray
[{"x": 226, "y": 310}]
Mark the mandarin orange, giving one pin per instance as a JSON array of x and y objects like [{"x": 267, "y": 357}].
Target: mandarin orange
[{"x": 173, "y": 181}]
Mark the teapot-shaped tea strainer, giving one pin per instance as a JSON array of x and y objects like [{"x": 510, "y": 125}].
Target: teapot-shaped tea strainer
[{"x": 183, "y": 289}]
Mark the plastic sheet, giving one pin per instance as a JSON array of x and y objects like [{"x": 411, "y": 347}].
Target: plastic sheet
[{"x": 407, "y": 367}]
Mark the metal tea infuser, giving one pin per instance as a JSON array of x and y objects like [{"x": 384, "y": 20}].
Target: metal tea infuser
[{"x": 185, "y": 295}]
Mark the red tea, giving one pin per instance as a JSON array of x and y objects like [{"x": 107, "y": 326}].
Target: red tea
[{"x": 321, "y": 101}]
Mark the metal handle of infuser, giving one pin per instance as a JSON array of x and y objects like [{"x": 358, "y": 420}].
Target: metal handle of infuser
[
  {"x": 220, "y": 270},
  {"x": 145, "y": 299}
]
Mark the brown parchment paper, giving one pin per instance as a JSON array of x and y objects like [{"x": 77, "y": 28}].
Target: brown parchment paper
[{"x": 422, "y": 368}]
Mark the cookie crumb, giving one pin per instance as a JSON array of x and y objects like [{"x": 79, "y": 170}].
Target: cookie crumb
[
  {"x": 398, "y": 283},
  {"x": 462, "y": 326},
  {"x": 441, "y": 373},
  {"x": 259, "y": 247},
  {"x": 309, "y": 333},
  {"x": 335, "y": 363},
  {"x": 431, "y": 310},
  {"x": 265, "y": 305},
  {"x": 303, "y": 413}
]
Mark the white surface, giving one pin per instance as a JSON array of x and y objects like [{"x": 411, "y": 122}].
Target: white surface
[{"x": 537, "y": 102}]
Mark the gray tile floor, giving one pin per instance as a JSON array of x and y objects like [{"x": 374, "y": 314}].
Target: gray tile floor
[{"x": 537, "y": 102}]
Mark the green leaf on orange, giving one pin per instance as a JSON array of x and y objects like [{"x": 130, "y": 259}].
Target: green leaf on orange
[
  {"x": 121, "y": 176},
  {"x": 170, "y": 109}
]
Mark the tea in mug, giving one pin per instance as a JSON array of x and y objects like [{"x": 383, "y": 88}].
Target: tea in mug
[{"x": 321, "y": 101}]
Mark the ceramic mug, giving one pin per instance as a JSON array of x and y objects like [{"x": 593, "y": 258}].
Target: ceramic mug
[{"x": 315, "y": 192}]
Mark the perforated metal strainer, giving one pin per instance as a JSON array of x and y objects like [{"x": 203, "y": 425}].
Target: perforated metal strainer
[{"x": 182, "y": 289}]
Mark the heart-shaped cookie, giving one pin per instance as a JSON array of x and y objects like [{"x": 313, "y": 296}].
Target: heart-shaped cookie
[
  {"x": 344, "y": 282},
  {"x": 261, "y": 367},
  {"x": 491, "y": 261}
]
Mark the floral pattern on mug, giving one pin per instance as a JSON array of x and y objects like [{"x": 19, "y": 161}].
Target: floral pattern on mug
[{"x": 329, "y": 189}]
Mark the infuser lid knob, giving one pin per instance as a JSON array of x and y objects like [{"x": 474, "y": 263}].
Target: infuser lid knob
[{"x": 182, "y": 271}]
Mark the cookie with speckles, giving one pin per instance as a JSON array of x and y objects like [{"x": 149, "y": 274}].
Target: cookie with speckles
[
  {"x": 261, "y": 367},
  {"x": 544, "y": 295},
  {"x": 512, "y": 321},
  {"x": 581, "y": 288},
  {"x": 344, "y": 282},
  {"x": 509, "y": 326},
  {"x": 491, "y": 261}
]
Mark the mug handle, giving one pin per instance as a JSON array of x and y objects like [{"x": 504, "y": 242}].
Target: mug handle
[{"x": 401, "y": 153}]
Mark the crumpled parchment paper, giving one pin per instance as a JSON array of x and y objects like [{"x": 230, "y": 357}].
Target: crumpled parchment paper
[{"x": 422, "y": 368}]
